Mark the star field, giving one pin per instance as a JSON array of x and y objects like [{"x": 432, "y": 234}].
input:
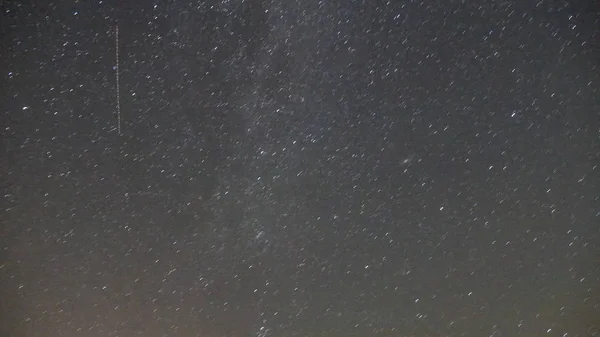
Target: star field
[{"x": 300, "y": 168}]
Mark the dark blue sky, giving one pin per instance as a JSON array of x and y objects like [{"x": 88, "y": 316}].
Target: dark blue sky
[{"x": 300, "y": 168}]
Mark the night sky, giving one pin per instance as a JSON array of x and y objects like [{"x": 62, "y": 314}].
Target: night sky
[{"x": 300, "y": 168}]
